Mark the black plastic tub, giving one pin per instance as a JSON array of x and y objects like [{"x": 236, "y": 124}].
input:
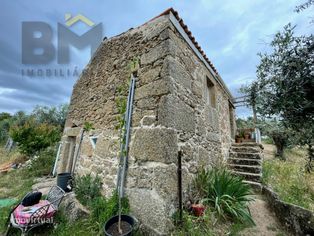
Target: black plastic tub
[
  {"x": 131, "y": 221},
  {"x": 63, "y": 180}
]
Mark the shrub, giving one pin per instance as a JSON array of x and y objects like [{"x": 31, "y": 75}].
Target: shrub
[
  {"x": 289, "y": 180},
  {"x": 32, "y": 137},
  {"x": 87, "y": 188},
  {"x": 193, "y": 225},
  {"x": 87, "y": 191},
  {"x": 227, "y": 193},
  {"x": 43, "y": 164},
  {"x": 103, "y": 209}
]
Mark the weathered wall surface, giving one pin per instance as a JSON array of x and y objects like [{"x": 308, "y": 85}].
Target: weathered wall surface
[
  {"x": 170, "y": 113},
  {"x": 297, "y": 219}
]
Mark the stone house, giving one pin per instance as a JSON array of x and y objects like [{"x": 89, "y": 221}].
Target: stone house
[{"x": 180, "y": 103}]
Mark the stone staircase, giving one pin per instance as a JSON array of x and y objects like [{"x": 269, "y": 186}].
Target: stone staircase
[{"x": 245, "y": 160}]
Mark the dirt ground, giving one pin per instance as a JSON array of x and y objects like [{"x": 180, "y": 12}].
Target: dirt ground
[
  {"x": 266, "y": 222},
  {"x": 269, "y": 151}
]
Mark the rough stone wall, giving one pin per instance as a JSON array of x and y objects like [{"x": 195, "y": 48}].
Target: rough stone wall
[{"x": 170, "y": 113}]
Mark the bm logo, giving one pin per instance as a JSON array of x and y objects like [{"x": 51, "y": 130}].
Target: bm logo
[{"x": 37, "y": 40}]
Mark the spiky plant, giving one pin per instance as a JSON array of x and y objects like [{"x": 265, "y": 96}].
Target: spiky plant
[{"x": 228, "y": 194}]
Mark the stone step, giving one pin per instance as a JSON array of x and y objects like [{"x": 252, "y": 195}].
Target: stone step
[
  {"x": 249, "y": 144},
  {"x": 246, "y": 168},
  {"x": 246, "y": 155},
  {"x": 257, "y": 187},
  {"x": 245, "y": 161},
  {"x": 245, "y": 149},
  {"x": 248, "y": 176},
  {"x": 44, "y": 184}
]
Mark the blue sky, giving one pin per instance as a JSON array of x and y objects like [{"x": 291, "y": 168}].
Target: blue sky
[{"x": 230, "y": 32}]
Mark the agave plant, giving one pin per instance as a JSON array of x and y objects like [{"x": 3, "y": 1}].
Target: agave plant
[{"x": 227, "y": 193}]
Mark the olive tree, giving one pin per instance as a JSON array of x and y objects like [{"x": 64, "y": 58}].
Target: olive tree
[{"x": 285, "y": 84}]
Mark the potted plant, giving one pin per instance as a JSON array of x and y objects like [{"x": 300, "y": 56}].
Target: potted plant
[
  {"x": 238, "y": 139},
  {"x": 120, "y": 225},
  {"x": 241, "y": 136},
  {"x": 198, "y": 209}
]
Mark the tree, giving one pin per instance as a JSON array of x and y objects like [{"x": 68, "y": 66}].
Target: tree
[
  {"x": 285, "y": 84},
  {"x": 4, "y": 116},
  {"x": 51, "y": 115},
  {"x": 32, "y": 137},
  {"x": 304, "y": 6}
]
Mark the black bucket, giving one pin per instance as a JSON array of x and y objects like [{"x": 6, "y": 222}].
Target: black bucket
[
  {"x": 124, "y": 218},
  {"x": 63, "y": 180}
]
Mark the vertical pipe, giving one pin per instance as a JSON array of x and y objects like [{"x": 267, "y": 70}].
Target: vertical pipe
[
  {"x": 56, "y": 161},
  {"x": 122, "y": 141},
  {"x": 180, "y": 185},
  {"x": 127, "y": 136}
]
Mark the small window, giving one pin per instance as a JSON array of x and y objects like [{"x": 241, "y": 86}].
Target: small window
[
  {"x": 93, "y": 141},
  {"x": 210, "y": 93}
]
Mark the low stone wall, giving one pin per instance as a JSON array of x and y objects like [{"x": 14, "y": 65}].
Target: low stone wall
[{"x": 297, "y": 219}]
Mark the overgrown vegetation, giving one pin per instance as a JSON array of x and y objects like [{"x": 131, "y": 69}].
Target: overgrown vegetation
[
  {"x": 288, "y": 178},
  {"x": 36, "y": 131},
  {"x": 87, "y": 189},
  {"x": 32, "y": 137},
  {"x": 227, "y": 193},
  {"x": 226, "y": 198},
  {"x": 42, "y": 164}
]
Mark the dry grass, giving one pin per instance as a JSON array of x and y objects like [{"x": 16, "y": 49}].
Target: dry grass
[
  {"x": 11, "y": 157},
  {"x": 289, "y": 178}
]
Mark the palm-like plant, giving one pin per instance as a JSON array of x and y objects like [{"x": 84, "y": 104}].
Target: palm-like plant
[{"x": 227, "y": 193}]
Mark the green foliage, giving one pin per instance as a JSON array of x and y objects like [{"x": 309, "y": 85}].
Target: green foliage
[
  {"x": 245, "y": 123},
  {"x": 4, "y": 129},
  {"x": 289, "y": 180},
  {"x": 32, "y": 137},
  {"x": 87, "y": 188},
  {"x": 4, "y": 125},
  {"x": 103, "y": 209},
  {"x": 284, "y": 85},
  {"x": 43, "y": 164},
  {"x": 227, "y": 193},
  {"x": 65, "y": 228},
  {"x": 51, "y": 115},
  {"x": 87, "y": 191},
  {"x": 192, "y": 225},
  {"x": 134, "y": 64},
  {"x": 88, "y": 126},
  {"x": 304, "y": 5}
]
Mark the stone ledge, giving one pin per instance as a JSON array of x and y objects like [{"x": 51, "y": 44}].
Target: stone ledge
[{"x": 296, "y": 218}]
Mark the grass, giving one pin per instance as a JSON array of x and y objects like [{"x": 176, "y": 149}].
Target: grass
[
  {"x": 11, "y": 157},
  {"x": 209, "y": 224},
  {"x": 226, "y": 198},
  {"x": 14, "y": 184},
  {"x": 289, "y": 178}
]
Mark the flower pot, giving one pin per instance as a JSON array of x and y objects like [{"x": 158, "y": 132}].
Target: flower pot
[
  {"x": 128, "y": 226},
  {"x": 247, "y": 136},
  {"x": 198, "y": 209},
  {"x": 238, "y": 140}
]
